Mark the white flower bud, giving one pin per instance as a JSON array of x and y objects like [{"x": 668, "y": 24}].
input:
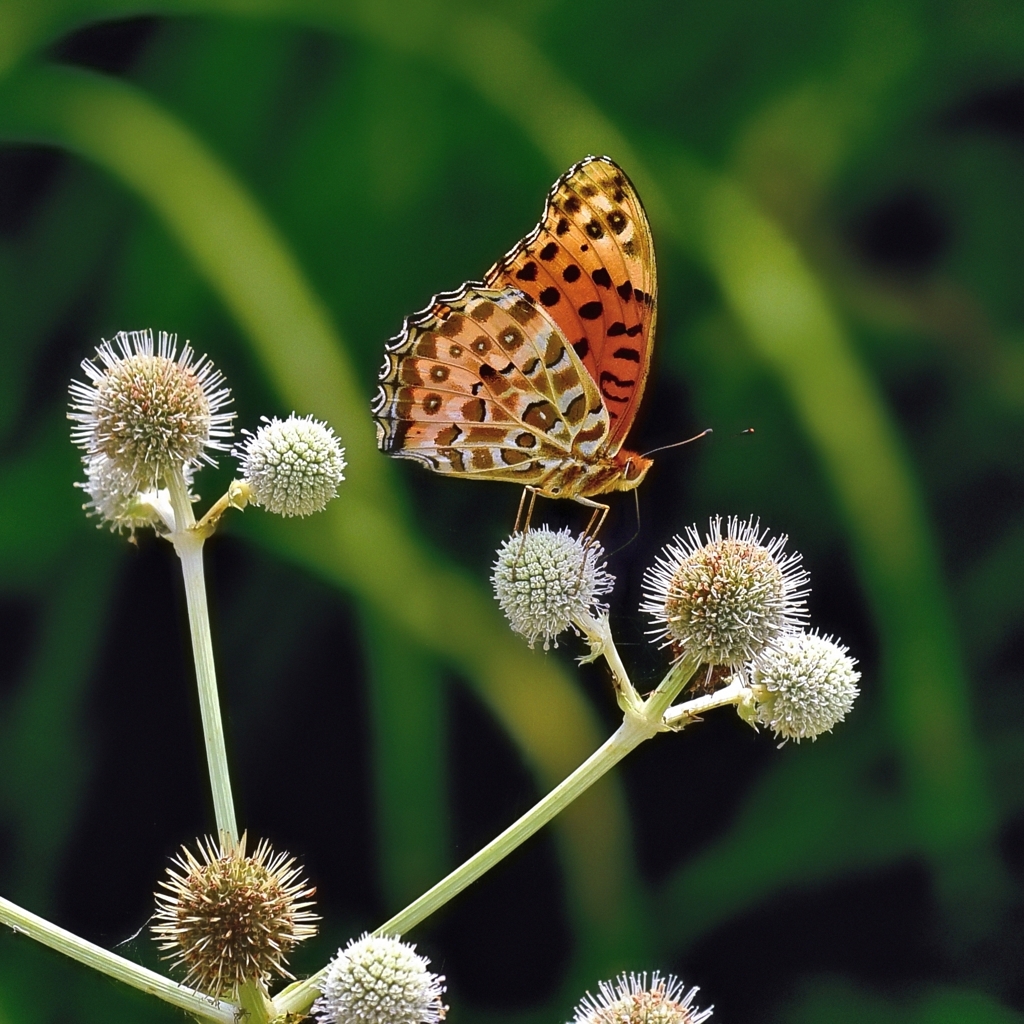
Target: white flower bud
[
  {"x": 724, "y": 600},
  {"x": 632, "y": 1001},
  {"x": 292, "y": 466},
  {"x": 150, "y": 411},
  {"x": 545, "y": 581},
  {"x": 804, "y": 686},
  {"x": 380, "y": 980}
]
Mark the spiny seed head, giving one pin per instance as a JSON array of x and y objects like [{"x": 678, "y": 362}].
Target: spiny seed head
[
  {"x": 632, "y": 1001},
  {"x": 544, "y": 581},
  {"x": 804, "y": 686},
  {"x": 293, "y": 466},
  {"x": 231, "y": 919},
  {"x": 727, "y": 598},
  {"x": 150, "y": 410},
  {"x": 380, "y": 980}
]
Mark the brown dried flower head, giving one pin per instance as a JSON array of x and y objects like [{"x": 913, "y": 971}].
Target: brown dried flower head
[{"x": 229, "y": 918}]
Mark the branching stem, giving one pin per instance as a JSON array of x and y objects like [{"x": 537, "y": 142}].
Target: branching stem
[{"x": 638, "y": 725}]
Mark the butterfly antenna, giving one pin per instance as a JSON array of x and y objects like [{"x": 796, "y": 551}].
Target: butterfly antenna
[{"x": 679, "y": 444}]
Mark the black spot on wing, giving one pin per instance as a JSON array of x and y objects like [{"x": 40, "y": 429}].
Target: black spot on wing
[
  {"x": 528, "y": 273},
  {"x": 551, "y": 249},
  {"x": 550, "y": 296},
  {"x": 627, "y": 353},
  {"x": 617, "y": 221},
  {"x": 602, "y": 277},
  {"x": 591, "y": 310}
]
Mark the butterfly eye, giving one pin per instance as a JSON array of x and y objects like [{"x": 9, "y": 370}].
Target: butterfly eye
[{"x": 630, "y": 469}]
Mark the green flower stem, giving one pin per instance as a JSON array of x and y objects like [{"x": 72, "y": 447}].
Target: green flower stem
[
  {"x": 682, "y": 715},
  {"x": 188, "y": 543},
  {"x": 115, "y": 966},
  {"x": 602, "y": 645},
  {"x": 255, "y": 1004},
  {"x": 636, "y": 727}
]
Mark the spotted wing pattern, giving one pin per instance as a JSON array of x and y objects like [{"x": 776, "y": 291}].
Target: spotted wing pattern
[
  {"x": 590, "y": 264},
  {"x": 483, "y": 382}
]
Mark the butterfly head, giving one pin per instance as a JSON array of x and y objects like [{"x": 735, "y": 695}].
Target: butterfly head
[{"x": 632, "y": 469}]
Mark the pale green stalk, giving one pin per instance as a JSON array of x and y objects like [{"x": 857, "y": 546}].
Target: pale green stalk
[
  {"x": 115, "y": 966},
  {"x": 602, "y": 644},
  {"x": 682, "y": 715},
  {"x": 255, "y": 1004},
  {"x": 637, "y": 726},
  {"x": 188, "y": 543}
]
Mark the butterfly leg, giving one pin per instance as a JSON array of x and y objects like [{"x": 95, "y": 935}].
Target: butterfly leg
[
  {"x": 597, "y": 518},
  {"x": 523, "y": 522},
  {"x": 532, "y": 491}
]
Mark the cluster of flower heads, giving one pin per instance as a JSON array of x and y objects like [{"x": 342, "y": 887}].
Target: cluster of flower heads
[
  {"x": 733, "y": 600},
  {"x": 149, "y": 412},
  {"x": 150, "y": 416}
]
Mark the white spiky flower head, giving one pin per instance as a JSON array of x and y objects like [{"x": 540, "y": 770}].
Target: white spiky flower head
[
  {"x": 150, "y": 409},
  {"x": 630, "y": 1000},
  {"x": 380, "y": 980},
  {"x": 292, "y": 466},
  {"x": 803, "y": 686},
  {"x": 546, "y": 580},
  {"x": 725, "y": 599}
]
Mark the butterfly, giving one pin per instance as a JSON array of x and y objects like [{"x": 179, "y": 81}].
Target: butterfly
[{"x": 535, "y": 374}]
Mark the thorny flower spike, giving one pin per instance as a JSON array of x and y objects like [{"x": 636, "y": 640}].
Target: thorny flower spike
[
  {"x": 231, "y": 919},
  {"x": 804, "y": 686},
  {"x": 545, "y": 581},
  {"x": 292, "y": 466},
  {"x": 632, "y": 1001},
  {"x": 380, "y": 980},
  {"x": 725, "y": 600},
  {"x": 150, "y": 410}
]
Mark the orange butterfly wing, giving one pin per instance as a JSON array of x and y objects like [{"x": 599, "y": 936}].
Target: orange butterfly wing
[
  {"x": 590, "y": 265},
  {"x": 483, "y": 383}
]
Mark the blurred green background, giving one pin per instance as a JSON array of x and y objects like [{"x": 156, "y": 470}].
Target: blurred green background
[{"x": 835, "y": 192}]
